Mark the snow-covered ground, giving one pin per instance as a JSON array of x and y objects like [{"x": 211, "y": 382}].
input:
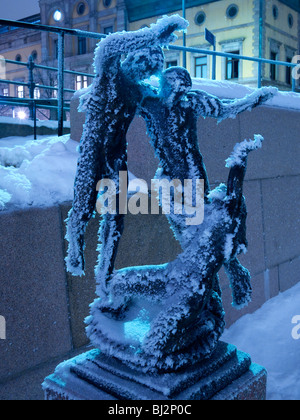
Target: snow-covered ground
[
  {"x": 42, "y": 123},
  {"x": 267, "y": 336},
  {"x": 37, "y": 172}
]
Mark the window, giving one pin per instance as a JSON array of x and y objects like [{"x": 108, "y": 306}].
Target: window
[
  {"x": 108, "y": 30},
  {"x": 34, "y": 55},
  {"x": 172, "y": 63},
  {"x": 18, "y": 57},
  {"x": 37, "y": 93},
  {"x": 232, "y": 11},
  {"x": 288, "y": 72},
  {"x": 201, "y": 67},
  {"x": 56, "y": 48},
  {"x": 232, "y": 66},
  {"x": 5, "y": 92},
  {"x": 81, "y": 46},
  {"x": 81, "y": 8},
  {"x": 273, "y": 56},
  {"x": 54, "y": 92},
  {"x": 20, "y": 92},
  {"x": 275, "y": 12},
  {"x": 106, "y": 3},
  {"x": 200, "y": 18},
  {"x": 290, "y": 20},
  {"x": 81, "y": 82}
]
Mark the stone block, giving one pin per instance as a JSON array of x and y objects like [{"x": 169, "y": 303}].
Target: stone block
[
  {"x": 32, "y": 289},
  {"x": 141, "y": 159},
  {"x": 281, "y": 198},
  {"x": 289, "y": 274},
  {"x": 281, "y": 148},
  {"x": 28, "y": 385},
  {"x": 216, "y": 142}
]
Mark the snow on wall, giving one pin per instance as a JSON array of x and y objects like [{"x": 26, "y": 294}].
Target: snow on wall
[{"x": 230, "y": 90}]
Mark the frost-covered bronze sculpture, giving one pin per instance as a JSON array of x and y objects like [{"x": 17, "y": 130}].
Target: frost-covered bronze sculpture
[
  {"x": 150, "y": 321},
  {"x": 187, "y": 320},
  {"x": 110, "y": 105}
]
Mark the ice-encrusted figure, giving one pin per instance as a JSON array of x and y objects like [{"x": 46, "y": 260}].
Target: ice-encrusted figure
[
  {"x": 171, "y": 316},
  {"x": 165, "y": 317},
  {"x": 110, "y": 106},
  {"x": 171, "y": 118}
]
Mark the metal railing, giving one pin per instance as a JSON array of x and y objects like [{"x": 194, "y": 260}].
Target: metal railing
[
  {"x": 61, "y": 71},
  {"x": 61, "y": 32}
]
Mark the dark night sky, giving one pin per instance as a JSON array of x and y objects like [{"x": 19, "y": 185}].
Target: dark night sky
[{"x": 18, "y": 9}]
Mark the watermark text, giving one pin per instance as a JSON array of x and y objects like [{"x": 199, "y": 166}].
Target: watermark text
[
  {"x": 2, "y": 328},
  {"x": 296, "y": 69},
  {"x": 296, "y": 329},
  {"x": 172, "y": 196}
]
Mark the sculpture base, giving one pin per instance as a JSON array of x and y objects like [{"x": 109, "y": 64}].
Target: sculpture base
[{"x": 228, "y": 374}]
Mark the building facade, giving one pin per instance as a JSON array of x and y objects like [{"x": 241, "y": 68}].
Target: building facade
[{"x": 257, "y": 28}]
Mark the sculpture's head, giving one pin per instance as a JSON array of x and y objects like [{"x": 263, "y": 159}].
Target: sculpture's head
[
  {"x": 175, "y": 83},
  {"x": 144, "y": 63}
]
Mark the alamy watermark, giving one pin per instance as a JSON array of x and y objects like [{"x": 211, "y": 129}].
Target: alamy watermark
[
  {"x": 296, "y": 69},
  {"x": 173, "y": 196},
  {"x": 296, "y": 329},
  {"x": 2, "y": 67},
  {"x": 2, "y": 328}
]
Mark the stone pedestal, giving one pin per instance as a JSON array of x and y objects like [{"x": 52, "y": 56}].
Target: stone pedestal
[{"x": 227, "y": 375}]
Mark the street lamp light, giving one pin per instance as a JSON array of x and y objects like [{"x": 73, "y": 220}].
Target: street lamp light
[{"x": 57, "y": 15}]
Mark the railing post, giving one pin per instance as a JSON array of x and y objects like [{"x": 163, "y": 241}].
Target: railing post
[
  {"x": 61, "y": 82},
  {"x": 184, "y": 35},
  {"x": 34, "y": 119},
  {"x": 214, "y": 65},
  {"x": 259, "y": 74},
  {"x": 31, "y": 84}
]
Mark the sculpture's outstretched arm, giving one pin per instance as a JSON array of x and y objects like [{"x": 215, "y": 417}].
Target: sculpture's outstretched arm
[{"x": 210, "y": 106}]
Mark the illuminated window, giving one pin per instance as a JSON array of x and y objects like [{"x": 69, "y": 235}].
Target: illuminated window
[
  {"x": 37, "y": 93},
  {"x": 5, "y": 92},
  {"x": 81, "y": 82},
  {"x": 20, "y": 92}
]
